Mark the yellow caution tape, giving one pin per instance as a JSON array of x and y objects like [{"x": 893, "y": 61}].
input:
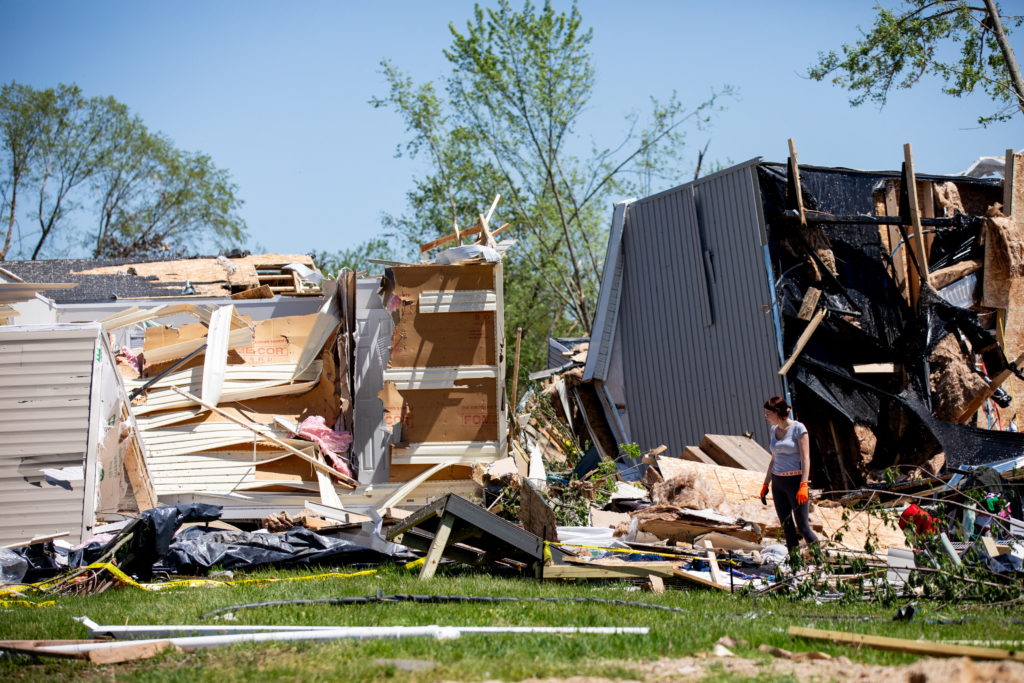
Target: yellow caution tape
[
  {"x": 197, "y": 583},
  {"x": 416, "y": 564},
  {"x": 26, "y": 603}
]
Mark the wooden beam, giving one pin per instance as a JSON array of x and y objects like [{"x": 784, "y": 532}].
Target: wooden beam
[
  {"x": 623, "y": 570},
  {"x": 692, "y": 577},
  {"x": 802, "y": 341},
  {"x": 441, "y": 241},
  {"x": 917, "y": 647},
  {"x": 515, "y": 379},
  {"x": 270, "y": 438},
  {"x": 899, "y": 259}
]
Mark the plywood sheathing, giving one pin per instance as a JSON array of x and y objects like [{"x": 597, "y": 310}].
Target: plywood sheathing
[
  {"x": 1004, "y": 258},
  {"x": 953, "y": 379},
  {"x": 740, "y": 489},
  {"x": 212, "y": 277},
  {"x": 1012, "y": 327}
]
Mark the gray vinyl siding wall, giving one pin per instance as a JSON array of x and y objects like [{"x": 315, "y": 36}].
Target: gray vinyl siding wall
[
  {"x": 46, "y": 379},
  {"x": 699, "y": 349}
]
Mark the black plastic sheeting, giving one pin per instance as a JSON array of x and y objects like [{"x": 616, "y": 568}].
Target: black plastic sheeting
[
  {"x": 195, "y": 550},
  {"x": 153, "y": 535},
  {"x": 882, "y": 327}
]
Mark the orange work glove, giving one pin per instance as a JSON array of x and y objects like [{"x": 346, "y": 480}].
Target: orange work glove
[
  {"x": 764, "y": 494},
  {"x": 801, "y": 493}
]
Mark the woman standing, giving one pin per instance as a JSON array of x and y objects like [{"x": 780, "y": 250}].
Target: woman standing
[{"x": 788, "y": 472}]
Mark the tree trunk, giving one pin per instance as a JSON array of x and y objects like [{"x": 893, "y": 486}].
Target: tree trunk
[
  {"x": 10, "y": 220},
  {"x": 1016, "y": 81}
]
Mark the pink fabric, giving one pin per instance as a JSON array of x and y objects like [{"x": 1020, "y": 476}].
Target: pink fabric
[
  {"x": 132, "y": 359},
  {"x": 331, "y": 443}
]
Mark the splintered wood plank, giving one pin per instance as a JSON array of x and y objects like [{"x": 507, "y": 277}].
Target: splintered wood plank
[
  {"x": 1013, "y": 320},
  {"x": 809, "y": 304}
]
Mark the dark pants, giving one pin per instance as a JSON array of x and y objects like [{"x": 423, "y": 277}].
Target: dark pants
[{"x": 795, "y": 522}]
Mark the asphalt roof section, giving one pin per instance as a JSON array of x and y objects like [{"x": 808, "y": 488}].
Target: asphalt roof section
[{"x": 93, "y": 288}]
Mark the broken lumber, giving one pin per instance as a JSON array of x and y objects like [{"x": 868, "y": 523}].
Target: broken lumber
[
  {"x": 802, "y": 341},
  {"x": 917, "y": 647},
  {"x": 345, "y": 480}
]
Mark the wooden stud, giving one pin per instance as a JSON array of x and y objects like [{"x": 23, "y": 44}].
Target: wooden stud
[
  {"x": 515, "y": 379},
  {"x": 874, "y": 368},
  {"x": 441, "y": 241},
  {"x": 899, "y": 258},
  {"x": 712, "y": 558}
]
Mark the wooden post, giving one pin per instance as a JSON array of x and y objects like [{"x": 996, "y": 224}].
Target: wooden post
[
  {"x": 917, "y": 239},
  {"x": 437, "y": 546},
  {"x": 795, "y": 168},
  {"x": 515, "y": 380}
]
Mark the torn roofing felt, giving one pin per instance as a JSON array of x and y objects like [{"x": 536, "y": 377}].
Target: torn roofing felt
[{"x": 872, "y": 421}]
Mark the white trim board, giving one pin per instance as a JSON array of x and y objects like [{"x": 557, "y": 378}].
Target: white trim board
[
  {"x": 462, "y": 301},
  {"x": 446, "y": 452},
  {"x": 442, "y": 377}
]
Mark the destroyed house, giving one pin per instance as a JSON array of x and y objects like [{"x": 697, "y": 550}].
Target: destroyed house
[
  {"x": 883, "y": 314},
  {"x": 218, "y": 381}
]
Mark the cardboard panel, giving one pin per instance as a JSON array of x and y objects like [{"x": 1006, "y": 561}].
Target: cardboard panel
[
  {"x": 467, "y": 413},
  {"x": 442, "y": 339},
  {"x": 417, "y": 278},
  {"x": 407, "y": 472},
  {"x": 424, "y": 340}
]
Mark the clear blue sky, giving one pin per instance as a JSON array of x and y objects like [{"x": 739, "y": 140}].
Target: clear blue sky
[{"x": 276, "y": 92}]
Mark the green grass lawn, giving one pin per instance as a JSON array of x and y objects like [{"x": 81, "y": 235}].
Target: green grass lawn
[{"x": 473, "y": 657}]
